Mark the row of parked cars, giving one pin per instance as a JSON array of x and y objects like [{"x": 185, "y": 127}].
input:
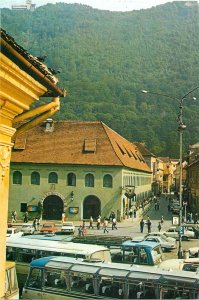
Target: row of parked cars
[{"x": 48, "y": 227}]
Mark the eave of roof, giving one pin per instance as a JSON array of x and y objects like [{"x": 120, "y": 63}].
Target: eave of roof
[{"x": 31, "y": 65}]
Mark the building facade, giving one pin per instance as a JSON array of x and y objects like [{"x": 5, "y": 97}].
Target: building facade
[
  {"x": 23, "y": 82},
  {"x": 80, "y": 168}
]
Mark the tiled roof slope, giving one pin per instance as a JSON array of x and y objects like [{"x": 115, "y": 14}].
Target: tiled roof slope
[
  {"x": 77, "y": 142},
  {"x": 143, "y": 149}
]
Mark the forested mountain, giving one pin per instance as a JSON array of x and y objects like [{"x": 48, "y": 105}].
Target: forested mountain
[{"x": 106, "y": 58}]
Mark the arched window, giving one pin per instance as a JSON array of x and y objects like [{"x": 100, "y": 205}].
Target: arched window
[
  {"x": 71, "y": 179},
  {"x": 107, "y": 181},
  {"x": 17, "y": 177},
  {"x": 89, "y": 180},
  {"x": 52, "y": 177},
  {"x": 35, "y": 178}
]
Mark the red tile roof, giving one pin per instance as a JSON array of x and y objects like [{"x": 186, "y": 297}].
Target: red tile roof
[{"x": 77, "y": 142}]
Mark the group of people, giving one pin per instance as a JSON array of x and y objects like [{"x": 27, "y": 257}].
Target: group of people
[
  {"x": 148, "y": 223},
  {"x": 100, "y": 224}
]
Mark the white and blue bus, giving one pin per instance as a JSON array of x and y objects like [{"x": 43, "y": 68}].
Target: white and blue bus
[
  {"x": 69, "y": 278},
  {"x": 23, "y": 250}
]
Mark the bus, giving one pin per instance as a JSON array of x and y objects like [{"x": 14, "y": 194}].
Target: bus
[
  {"x": 69, "y": 278},
  {"x": 122, "y": 248},
  {"x": 11, "y": 285},
  {"x": 23, "y": 250}
]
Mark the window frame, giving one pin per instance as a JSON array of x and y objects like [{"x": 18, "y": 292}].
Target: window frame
[
  {"x": 89, "y": 180},
  {"x": 35, "y": 180},
  {"x": 107, "y": 183},
  {"x": 51, "y": 179},
  {"x": 17, "y": 178}
]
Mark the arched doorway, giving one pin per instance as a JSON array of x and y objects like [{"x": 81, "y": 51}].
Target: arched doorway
[
  {"x": 52, "y": 208},
  {"x": 91, "y": 207}
]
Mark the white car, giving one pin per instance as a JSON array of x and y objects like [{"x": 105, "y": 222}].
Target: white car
[
  {"x": 184, "y": 264},
  {"x": 13, "y": 231},
  {"x": 27, "y": 229},
  {"x": 174, "y": 232},
  {"x": 68, "y": 227},
  {"x": 194, "y": 251},
  {"x": 164, "y": 243},
  {"x": 161, "y": 234}
]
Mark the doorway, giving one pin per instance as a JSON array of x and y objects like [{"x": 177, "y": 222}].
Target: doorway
[
  {"x": 52, "y": 208},
  {"x": 91, "y": 207}
]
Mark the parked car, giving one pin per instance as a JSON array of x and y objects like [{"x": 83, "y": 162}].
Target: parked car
[
  {"x": 194, "y": 251},
  {"x": 162, "y": 234},
  {"x": 185, "y": 264},
  {"x": 164, "y": 243},
  {"x": 48, "y": 228},
  {"x": 174, "y": 232},
  {"x": 68, "y": 227},
  {"x": 12, "y": 231},
  {"x": 27, "y": 229},
  {"x": 194, "y": 229}
]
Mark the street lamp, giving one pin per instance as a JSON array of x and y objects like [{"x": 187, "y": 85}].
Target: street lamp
[{"x": 181, "y": 128}]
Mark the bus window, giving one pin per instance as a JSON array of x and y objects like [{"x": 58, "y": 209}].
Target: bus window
[
  {"x": 35, "y": 279},
  {"x": 111, "y": 287},
  {"x": 81, "y": 282},
  {"x": 25, "y": 255},
  {"x": 55, "y": 279},
  {"x": 11, "y": 253},
  {"x": 157, "y": 255},
  {"x": 143, "y": 257}
]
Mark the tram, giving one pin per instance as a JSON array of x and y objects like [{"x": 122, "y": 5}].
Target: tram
[{"x": 69, "y": 278}]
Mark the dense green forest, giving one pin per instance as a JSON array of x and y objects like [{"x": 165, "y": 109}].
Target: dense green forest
[{"x": 106, "y": 58}]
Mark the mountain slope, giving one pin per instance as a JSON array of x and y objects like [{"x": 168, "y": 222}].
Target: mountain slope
[{"x": 106, "y": 58}]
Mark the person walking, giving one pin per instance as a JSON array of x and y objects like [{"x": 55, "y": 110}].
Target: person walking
[
  {"x": 80, "y": 230},
  {"x": 142, "y": 225},
  {"x": 105, "y": 225},
  {"x": 98, "y": 222},
  {"x": 84, "y": 229},
  {"x": 114, "y": 224},
  {"x": 159, "y": 226},
  {"x": 162, "y": 220},
  {"x": 149, "y": 225},
  {"x": 91, "y": 222},
  {"x": 134, "y": 213},
  {"x": 25, "y": 217},
  {"x": 15, "y": 216}
]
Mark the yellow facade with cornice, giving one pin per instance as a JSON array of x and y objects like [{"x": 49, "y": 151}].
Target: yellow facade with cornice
[{"x": 18, "y": 90}]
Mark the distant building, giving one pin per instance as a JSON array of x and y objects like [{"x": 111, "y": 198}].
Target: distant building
[
  {"x": 78, "y": 167},
  {"x": 156, "y": 166},
  {"x": 28, "y": 6}
]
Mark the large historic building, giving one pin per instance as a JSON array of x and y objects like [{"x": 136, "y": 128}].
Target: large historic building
[{"x": 81, "y": 168}]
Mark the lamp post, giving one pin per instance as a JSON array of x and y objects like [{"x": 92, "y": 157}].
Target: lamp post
[{"x": 181, "y": 128}]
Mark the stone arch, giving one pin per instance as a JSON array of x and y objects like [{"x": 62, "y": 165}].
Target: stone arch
[
  {"x": 91, "y": 207},
  {"x": 53, "y": 206}
]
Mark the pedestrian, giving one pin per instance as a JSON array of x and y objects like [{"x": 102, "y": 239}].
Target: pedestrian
[
  {"x": 91, "y": 222},
  {"x": 12, "y": 217},
  {"x": 141, "y": 225},
  {"x": 155, "y": 206},
  {"x": 162, "y": 220},
  {"x": 114, "y": 224},
  {"x": 25, "y": 217},
  {"x": 130, "y": 212},
  {"x": 149, "y": 225},
  {"x": 98, "y": 222},
  {"x": 105, "y": 225},
  {"x": 34, "y": 223},
  {"x": 168, "y": 206},
  {"x": 84, "y": 229},
  {"x": 134, "y": 213},
  {"x": 63, "y": 217},
  {"x": 158, "y": 205},
  {"x": 15, "y": 216},
  {"x": 80, "y": 230},
  {"x": 159, "y": 226}
]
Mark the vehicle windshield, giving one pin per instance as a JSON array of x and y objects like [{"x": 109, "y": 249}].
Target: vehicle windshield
[
  {"x": 47, "y": 225},
  {"x": 157, "y": 255}
]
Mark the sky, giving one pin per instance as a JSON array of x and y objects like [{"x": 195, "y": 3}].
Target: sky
[{"x": 112, "y": 5}]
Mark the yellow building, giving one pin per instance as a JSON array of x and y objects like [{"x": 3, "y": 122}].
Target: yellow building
[{"x": 23, "y": 79}]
